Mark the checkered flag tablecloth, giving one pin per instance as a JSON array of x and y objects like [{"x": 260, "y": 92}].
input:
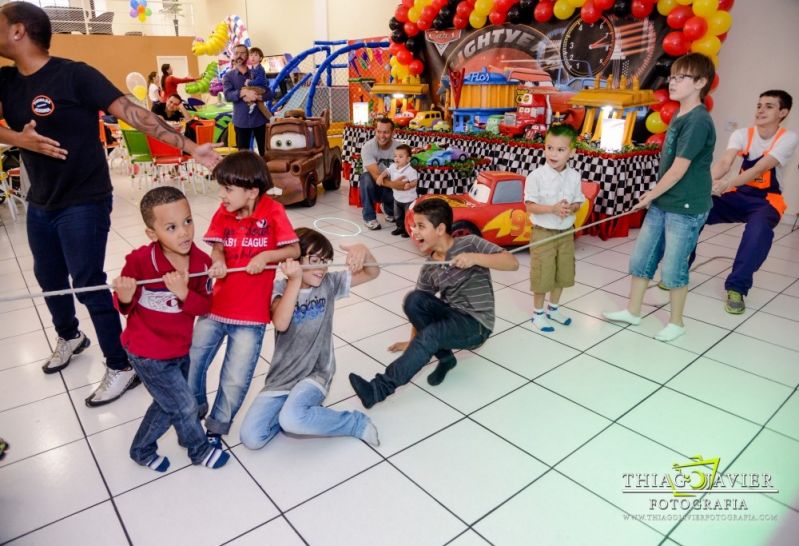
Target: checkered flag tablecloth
[{"x": 622, "y": 178}]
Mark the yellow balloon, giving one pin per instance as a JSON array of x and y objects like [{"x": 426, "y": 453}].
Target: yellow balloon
[
  {"x": 715, "y": 59},
  {"x": 665, "y": 6},
  {"x": 477, "y": 21},
  {"x": 654, "y": 123},
  {"x": 139, "y": 92},
  {"x": 414, "y": 13},
  {"x": 719, "y": 23},
  {"x": 577, "y": 3},
  {"x": 705, "y": 8},
  {"x": 483, "y": 7},
  {"x": 706, "y": 45},
  {"x": 563, "y": 9},
  {"x": 402, "y": 71},
  {"x": 684, "y": 2},
  {"x": 393, "y": 61}
]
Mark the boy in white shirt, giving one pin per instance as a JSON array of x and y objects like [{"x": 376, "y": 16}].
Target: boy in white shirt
[
  {"x": 402, "y": 179},
  {"x": 552, "y": 195}
]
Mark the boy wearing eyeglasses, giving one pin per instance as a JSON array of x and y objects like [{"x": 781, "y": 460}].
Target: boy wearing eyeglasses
[
  {"x": 304, "y": 363},
  {"x": 680, "y": 201}
]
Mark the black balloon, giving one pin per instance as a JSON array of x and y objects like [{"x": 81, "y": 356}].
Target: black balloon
[
  {"x": 621, "y": 8},
  {"x": 527, "y": 5},
  {"x": 415, "y": 43},
  {"x": 662, "y": 68},
  {"x": 446, "y": 13},
  {"x": 399, "y": 36},
  {"x": 439, "y": 23},
  {"x": 393, "y": 24},
  {"x": 514, "y": 14}
]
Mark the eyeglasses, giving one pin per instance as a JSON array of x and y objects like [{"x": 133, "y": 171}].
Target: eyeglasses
[
  {"x": 313, "y": 259},
  {"x": 680, "y": 77}
]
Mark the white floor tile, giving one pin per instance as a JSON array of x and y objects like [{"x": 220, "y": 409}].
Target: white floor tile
[
  {"x": 132, "y": 405},
  {"x": 469, "y": 538},
  {"x": 783, "y": 306},
  {"x": 582, "y": 333},
  {"x": 48, "y": 487},
  {"x": 758, "y": 357},
  {"x": 598, "y": 301},
  {"x": 20, "y": 321},
  {"x": 698, "y": 338},
  {"x": 362, "y": 320},
  {"x": 786, "y": 421},
  {"x": 376, "y": 346},
  {"x": 609, "y": 259},
  {"x": 776, "y": 330},
  {"x": 101, "y": 520},
  {"x": 26, "y": 384},
  {"x": 714, "y": 288},
  {"x": 385, "y": 283},
  {"x": 352, "y": 514},
  {"x": 39, "y": 426},
  {"x": 525, "y": 352},
  {"x": 596, "y": 276},
  {"x": 542, "y": 423},
  {"x": 277, "y": 531},
  {"x": 24, "y": 349},
  {"x": 167, "y": 510},
  {"x": 469, "y": 486}
]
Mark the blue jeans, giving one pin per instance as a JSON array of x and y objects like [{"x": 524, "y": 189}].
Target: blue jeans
[
  {"x": 241, "y": 356},
  {"x": 670, "y": 237},
  {"x": 298, "y": 412},
  {"x": 71, "y": 242},
  {"x": 371, "y": 193},
  {"x": 439, "y": 330},
  {"x": 173, "y": 405}
]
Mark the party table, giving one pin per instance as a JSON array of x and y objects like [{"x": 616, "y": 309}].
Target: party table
[
  {"x": 622, "y": 177},
  {"x": 222, "y": 114}
]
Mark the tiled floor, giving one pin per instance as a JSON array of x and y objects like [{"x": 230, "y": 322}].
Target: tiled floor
[{"x": 526, "y": 442}]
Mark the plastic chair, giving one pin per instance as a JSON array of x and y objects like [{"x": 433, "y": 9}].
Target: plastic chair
[
  {"x": 114, "y": 150},
  {"x": 8, "y": 193},
  {"x": 140, "y": 160},
  {"x": 204, "y": 131},
  {"x": 167, "y": 158}
]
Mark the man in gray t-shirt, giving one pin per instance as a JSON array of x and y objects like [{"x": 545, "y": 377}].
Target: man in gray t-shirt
[{"x": 376, "y": 155}]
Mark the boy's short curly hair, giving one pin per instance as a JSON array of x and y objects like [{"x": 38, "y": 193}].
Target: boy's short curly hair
[{"x": 162, "y": 195}]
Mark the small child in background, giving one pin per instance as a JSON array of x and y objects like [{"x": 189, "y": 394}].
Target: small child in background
[
  {"x": 249, "y": 230},
  {"x": 552, "y": 195},
  {"x": 402, "y": 178},
  {"x": 304, "y": 363},
  {"x": 257, "y": 81},
  {"x": 161, "y": 316}
]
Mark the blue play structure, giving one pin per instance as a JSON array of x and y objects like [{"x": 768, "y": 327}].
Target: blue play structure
[{"x": 301, "y": 90}]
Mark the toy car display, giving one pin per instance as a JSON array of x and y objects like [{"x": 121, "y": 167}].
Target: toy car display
[
  {"x": 425, "y": 119},
  {"x": 299, "y": 157},
  {"x": 444, "y": 157},
  {"x": 403, "y": 119},
  {"x": 494, "y": 208}
]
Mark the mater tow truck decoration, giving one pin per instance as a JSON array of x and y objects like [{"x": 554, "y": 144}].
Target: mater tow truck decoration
[{"x": 299, "y": 157}]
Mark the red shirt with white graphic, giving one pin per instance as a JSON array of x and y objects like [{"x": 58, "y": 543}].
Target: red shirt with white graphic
[
  {"x": 160, "y": 325},
  {"x": 241, "y": 298}
]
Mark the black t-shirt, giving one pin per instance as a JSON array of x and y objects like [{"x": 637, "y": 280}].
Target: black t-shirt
[
  {"x": 64, "y": 98},
  {"x": 160, "y": 110}
]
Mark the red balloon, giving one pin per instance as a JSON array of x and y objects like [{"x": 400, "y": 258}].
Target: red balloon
[
  {"x": 668, "y": 110},
  {"x": 722, "y": 37},
  {"x": 641, "y": 9},
  {"x": 658, "y": 139},
  {"x": 715, "y": 83},
  {"x": 543, "y": 12},
  {"x": 602, "y": 5},
  {"x": 463, "y": 9},
  {"x": 590, "y": 13},
  {"x": 411, "y": 29},
  {"x": 408, "y": 3},
  {"x": 497, "y": 17},
  {"x": 424, "y": 24},
  {"x": 440, "y": 4},
  {"x": 662, "y": 97},
  {"x": 678, "y": 16},
  {"x": 709, "y": 103},
  {"x": 726, "y": 5},
  {"x": 416, "y": 67},
  {"x": 460, "y": 22},
  {"x": 393, "y": 47},
  {"x": 429, "y": 13},
  {"x": 675, "y": 43},
  {"x": 694, "y": 28},
  {"x": 401, "y": 14},
  {"x": 503, "y": 5},
  {"x": 404, "y": 56}
]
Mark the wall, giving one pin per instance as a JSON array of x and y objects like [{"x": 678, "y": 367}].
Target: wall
[{"x": 747, "y": 66}]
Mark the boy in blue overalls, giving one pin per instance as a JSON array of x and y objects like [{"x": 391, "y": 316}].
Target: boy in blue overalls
[{"x": 753, "y": 196}]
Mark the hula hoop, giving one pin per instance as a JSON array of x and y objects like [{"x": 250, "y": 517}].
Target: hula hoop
[{"x": 326, "y": 232}]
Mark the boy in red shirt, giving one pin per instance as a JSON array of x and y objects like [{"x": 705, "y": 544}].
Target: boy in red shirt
[
  {"x": 159, "y": 327},
  {"x": 249, "y": 230}
]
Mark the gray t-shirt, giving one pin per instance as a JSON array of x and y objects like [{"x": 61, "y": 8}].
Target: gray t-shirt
[
  {"x": 371, "y": 154},
  {"x": 467, "y": 290},
  {"x": 305, "y": 349}
]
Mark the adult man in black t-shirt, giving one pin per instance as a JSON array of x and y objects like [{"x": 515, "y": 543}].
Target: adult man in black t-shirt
[
  {"x": 172, "y": 110},
  {"x": 69, "y": 213}
]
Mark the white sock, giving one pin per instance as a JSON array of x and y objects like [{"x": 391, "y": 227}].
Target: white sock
[
  {"x": 370, "y": 435},
  {"x": 622, "y": 316},
  {"x": 541, "y": 322},
  {"x": 670, "y": 332},
  {"x": 553, "y": 313}
]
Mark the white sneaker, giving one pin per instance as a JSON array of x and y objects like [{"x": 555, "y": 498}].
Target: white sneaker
[
  {"x": 113, "y": 385},
  {"x": 64, "y": 349},
  {"x": 372, "y": 224},
  {"x": 389, "y": 219}
]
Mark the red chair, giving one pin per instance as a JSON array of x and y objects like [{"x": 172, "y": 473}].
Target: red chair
[{"x": 169, "y": 159}]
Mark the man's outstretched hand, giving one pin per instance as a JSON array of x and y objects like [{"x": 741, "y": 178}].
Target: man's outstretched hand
[{"x": 34, "y": 142}]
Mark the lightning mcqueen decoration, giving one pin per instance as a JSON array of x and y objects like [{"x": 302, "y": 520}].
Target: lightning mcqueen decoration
[{"x": 494, "y": 208}]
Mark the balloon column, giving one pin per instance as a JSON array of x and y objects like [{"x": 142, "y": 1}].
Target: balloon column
[
  {"x": 139, "y": 10},
  {"x": 204, "y": 83},
  {"x": 215, "y": 43},
  {"x": 226, "y": 35}
]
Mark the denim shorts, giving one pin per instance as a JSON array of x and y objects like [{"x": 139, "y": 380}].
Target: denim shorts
[{"x": 670, "y": 237}]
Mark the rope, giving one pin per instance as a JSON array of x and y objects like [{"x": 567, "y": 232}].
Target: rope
[{"x": 100, "y": 287}]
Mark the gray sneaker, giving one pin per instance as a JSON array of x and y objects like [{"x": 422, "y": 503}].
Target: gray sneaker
[
  {"x": 113, "y": 385},
  {"x": 735, "y": 303},
  {"x": 372, "y": 224},
  {"x": 389, "y": 219},
  {"x": 64, "y": 349}
]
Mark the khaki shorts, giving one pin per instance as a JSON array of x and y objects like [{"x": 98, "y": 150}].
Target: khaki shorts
[{"x": 551, "y": 264}]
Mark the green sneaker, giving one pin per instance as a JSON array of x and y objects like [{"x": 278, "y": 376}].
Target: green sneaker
[{"x": 735, "y": 303}]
